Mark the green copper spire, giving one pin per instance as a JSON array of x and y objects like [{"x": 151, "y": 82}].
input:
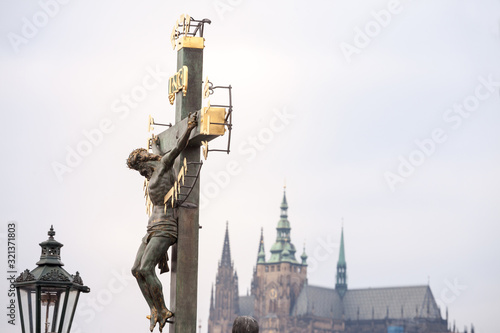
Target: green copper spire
[
  {"x": 283, "y": 250},
  {"x": 342, "y": 252},
  {"x": 341, "y": 285},
  {"x": 304, "y": 256},
  {"x": 284, "y": 205},
  {"x": 283, "y": 222},
  {"x": 261, "y": 257}
]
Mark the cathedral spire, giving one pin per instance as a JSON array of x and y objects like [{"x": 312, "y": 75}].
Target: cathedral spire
[
  {"x": 342, "y": 251},
  {"x": 225, "y": 299},
  {"x": 226, "y": 252},
  {"x": 341, "y": 284},
  {"x": 261, "y": 257},
  {"x": 284, "y": 205}
]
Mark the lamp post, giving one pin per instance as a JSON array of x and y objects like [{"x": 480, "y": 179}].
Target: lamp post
[{"x": 48, "y": 295}]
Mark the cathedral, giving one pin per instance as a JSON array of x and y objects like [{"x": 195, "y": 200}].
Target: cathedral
[{"x": 283, "y": 302}]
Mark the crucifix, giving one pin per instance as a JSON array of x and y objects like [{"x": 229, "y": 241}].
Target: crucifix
[{"x": 172, "y": 186}]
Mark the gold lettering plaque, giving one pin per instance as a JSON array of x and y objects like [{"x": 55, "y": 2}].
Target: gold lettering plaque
[{"x": 176, "y": 83}]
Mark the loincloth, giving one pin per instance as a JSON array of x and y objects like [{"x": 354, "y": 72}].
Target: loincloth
[{"x": 166, "y": 229}]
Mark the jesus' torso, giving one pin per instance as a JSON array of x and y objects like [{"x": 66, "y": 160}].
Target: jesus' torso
[{"x": 160, "y": 183}]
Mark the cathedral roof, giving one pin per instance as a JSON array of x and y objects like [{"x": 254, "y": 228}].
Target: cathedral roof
[
  {"x": 318, "y": 301},
  {"x": 246, "y": 305},
  {"x": 367, "y": 304}
]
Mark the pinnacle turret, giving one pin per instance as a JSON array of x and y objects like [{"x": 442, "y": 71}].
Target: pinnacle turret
[
  {"x": 304, "y": 256},
  {"x": 212, "y": 299}
]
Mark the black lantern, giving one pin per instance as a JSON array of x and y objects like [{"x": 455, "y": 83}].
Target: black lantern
[{"x": 48, "y": 295}]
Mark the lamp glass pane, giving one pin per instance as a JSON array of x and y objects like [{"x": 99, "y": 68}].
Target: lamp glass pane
[
  {"x": 28, "y": 304},
  {"x": 59, "y": 322},
  {"x": 50, "y": 304},
  {"x": 69, "y": 310}
]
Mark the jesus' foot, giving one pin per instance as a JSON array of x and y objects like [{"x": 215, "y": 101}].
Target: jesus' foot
[
  {"x": 163, "y": 316},
  {"x": 153, "y": 319}
]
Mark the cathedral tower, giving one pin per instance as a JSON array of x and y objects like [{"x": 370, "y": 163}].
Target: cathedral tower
[
  {"x": 224, "y": 305},
  {"x": 279, "y": 280}
]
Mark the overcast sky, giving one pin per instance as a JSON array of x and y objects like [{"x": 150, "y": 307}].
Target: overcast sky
[{"x": 383, "y": 113}]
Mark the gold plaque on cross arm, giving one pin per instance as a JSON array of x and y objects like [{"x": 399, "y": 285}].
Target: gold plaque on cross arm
[{"x": 212, "y": 121}]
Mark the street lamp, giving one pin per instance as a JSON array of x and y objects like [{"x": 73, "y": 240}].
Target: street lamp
[{"x": 48, "y": 294}]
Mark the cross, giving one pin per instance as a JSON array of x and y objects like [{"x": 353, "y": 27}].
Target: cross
[{"x": 186, "y": 90}]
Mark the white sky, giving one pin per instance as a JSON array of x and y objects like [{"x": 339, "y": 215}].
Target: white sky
[{"x": 349, "y": 122}]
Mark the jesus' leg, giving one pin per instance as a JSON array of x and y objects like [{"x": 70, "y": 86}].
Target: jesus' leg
[
  {"x": 155, "y": 249},
  {"x": 144, "y": 289}
]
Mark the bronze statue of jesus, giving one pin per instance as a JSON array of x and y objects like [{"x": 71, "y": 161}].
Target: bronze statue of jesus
[{"x": 162, "y": 225}]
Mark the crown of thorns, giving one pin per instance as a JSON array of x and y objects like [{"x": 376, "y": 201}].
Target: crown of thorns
[{"x": 140, "y": 155}]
